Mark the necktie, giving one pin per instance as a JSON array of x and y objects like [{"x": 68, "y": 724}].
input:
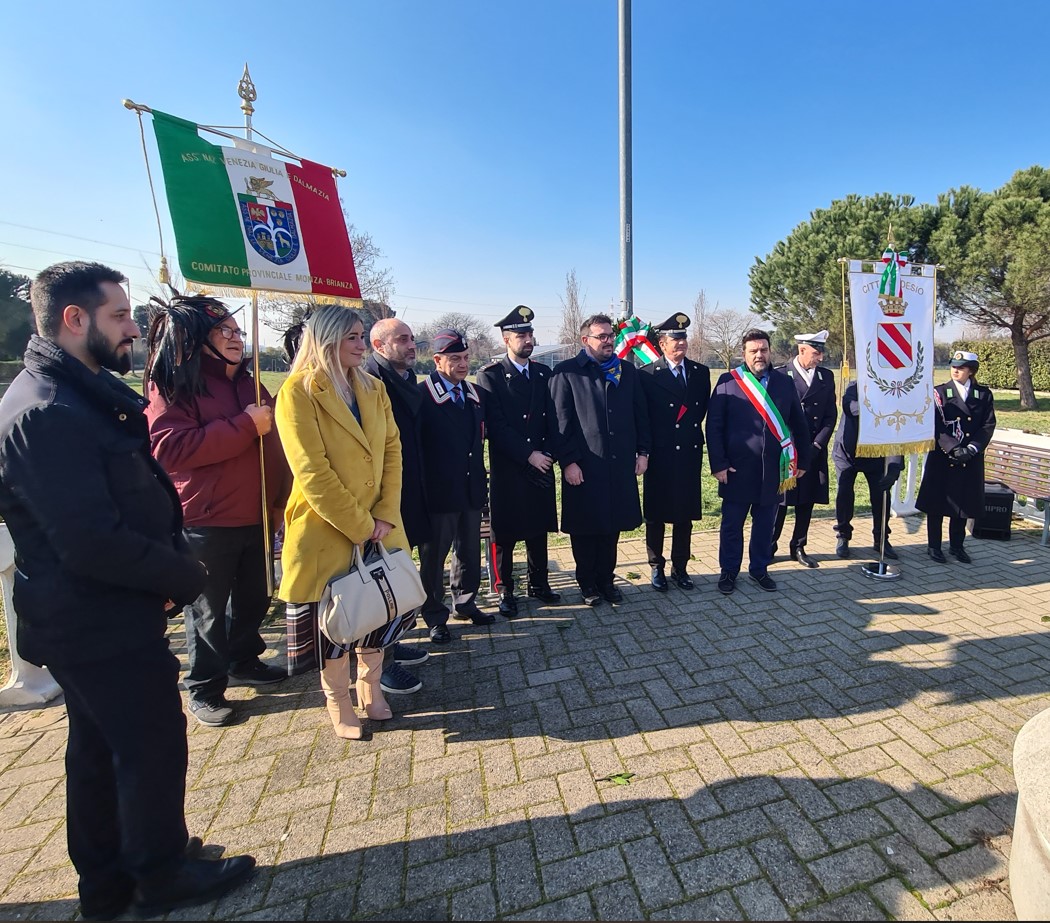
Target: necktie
[
  {"x": 457, "y": 392},
  {"x": 679, "y": 373},
  {"x": 525, "y": 372}
]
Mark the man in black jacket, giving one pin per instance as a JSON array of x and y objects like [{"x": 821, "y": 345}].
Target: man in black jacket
[
  {"x": 602, "y": 445},
  {"x": 816, "y": 392},
  {"x": 454, "y": 475},
  {"x": 881, "y": 474},
  {"x": 677, "y": 390},
  {"x": 518, "y": 417},
  {"x": 393, "y": 361},
  {"x": 97, "y": 528}
]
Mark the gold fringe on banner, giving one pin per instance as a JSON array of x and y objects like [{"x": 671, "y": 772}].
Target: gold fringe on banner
[
  {"x": 227, "y": 291},
  {"x": 788, "y": 484},
  {"x": 897, "y": 448}
]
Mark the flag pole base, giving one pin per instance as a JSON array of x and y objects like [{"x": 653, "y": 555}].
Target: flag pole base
[{"x": 880, "y": 570}]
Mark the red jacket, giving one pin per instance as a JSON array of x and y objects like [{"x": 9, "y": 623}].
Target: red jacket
[{"x": 210, "y": 449}]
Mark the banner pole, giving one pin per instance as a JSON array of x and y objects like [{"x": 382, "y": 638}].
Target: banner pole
[{"x": 248, "y": 94}]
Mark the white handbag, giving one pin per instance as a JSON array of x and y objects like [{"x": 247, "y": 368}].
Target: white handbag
[{"x": 381, "y": 586}]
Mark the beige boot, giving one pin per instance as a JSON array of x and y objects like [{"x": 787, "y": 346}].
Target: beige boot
[
  {"x": 369, "y": 692},
  {"x": 335, "y": 681}
]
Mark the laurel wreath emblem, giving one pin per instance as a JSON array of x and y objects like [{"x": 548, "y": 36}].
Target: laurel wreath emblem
[{"x": 897, "y": 388}]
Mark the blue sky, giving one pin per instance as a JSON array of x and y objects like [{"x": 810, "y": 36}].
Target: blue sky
[{"x": 480, "y": 138}]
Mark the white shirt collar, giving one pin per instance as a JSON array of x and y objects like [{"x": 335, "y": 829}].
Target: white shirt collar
[
  {"x": 520, "y": 368},
  {"x": 964, "y": 389},
  {"x": 807, "y": 374}
]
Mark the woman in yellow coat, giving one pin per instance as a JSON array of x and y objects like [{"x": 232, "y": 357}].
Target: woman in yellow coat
[{"x": 343, "y": 447}]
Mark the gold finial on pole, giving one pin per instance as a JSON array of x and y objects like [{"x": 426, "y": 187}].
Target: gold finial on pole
[
  {"x": 246, "y": 91},
  {"x": 889, "y": 238}
]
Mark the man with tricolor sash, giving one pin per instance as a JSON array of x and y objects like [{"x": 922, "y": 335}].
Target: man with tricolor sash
[{"x": 758, "y": 444}]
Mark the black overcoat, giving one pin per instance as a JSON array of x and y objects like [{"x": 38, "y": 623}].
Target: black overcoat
[
  {"x": 821, "y": 410},
  {"x": 518, "y": 418},
  {"x": 406, "y": 402},
  {"x": 601, "y": 427},
  {"x": 951, "y": 488},
  {"x": 453, "y": 451},
  {"x": 738, "y": 437},
  {"x": 844, "y": 452},
  {"x": 676, "y": 417},
  {"x": 96, "y": 523}
]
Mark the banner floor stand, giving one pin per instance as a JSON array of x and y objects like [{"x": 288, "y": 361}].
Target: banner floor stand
[{"x": 880, "y": 570}]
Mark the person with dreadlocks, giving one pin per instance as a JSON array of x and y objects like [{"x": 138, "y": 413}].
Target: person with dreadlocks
[{"x": 204, "y": 430}]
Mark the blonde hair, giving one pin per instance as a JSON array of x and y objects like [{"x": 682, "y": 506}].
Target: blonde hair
[{"x": 318, "y": 353}]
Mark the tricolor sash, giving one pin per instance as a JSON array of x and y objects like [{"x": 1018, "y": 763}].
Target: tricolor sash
[{"x": 769, "y": 412}]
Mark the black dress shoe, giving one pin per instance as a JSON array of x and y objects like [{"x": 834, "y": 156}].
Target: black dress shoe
[
  {"x": 611, "y": 594},
  {"x": 682, "y": 580},
  {"x": 842, "y": 548},
  {"x": 889, "y": 552},
  {"x": 659, "y": 581},
  {"x": 937, "y": 555},
  {"x": 544, "y": 593},
  {"x": 194, "y": 882},
  {"x": 799, "y": 554},
  {"x": 591, "y": 597},
  {"x": 726, "y": 583},
  {"x": 960, "y": 555},
  {"x": 473, "y": 614},
  {"x": 439, "y": 634},
  {"x": 508, "y": 607},
  {"x": 765, "y": 581}
]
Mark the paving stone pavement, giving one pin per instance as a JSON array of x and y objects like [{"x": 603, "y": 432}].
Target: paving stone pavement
[{"x": 838, "y": 750}]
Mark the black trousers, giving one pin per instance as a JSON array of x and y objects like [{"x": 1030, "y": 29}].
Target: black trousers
[
  {"x": 935, "y": 531},
  {"x": 222, "y": 624},
  {"x": 845, "y": 501},
  {"x": 803, "y": 517},
  {"x": 681, "y": 544},
  {"x": 535, "y": 556},
  {"x": 460, "y": 532},
  {"x": 595, "y": 557},
  {"x": 126, "y": 763}
]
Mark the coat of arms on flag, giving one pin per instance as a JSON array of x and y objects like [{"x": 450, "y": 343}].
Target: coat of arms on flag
[
  {"x": 893, "y": 331},
  {"x": 894, "y": 346},
  {"x": 271, "y": 229}
]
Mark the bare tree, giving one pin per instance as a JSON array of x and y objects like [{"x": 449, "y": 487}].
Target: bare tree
[
  {"x": 571, "y": 309},
  {"x": 698, "y": 344},
  {"x": 279, "y": 311},
  {"x": 724, "y": 331}
]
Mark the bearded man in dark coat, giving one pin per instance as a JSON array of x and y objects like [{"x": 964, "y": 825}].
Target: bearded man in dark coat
[
  {"x": 519, "y": 416},
  {"x": 816, "y": 391},
  {"x": 677, "y": 391},
  {"x": 749, "y": 460},
  {"x": 602, "y": 445}
]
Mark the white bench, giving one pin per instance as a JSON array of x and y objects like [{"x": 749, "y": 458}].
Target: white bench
[{"x": 28, "y": 685}]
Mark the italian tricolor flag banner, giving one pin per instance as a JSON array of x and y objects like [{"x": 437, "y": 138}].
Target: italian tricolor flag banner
[
  {"x": 243, "y": 219},
  {"x": 893, "y": 306}
]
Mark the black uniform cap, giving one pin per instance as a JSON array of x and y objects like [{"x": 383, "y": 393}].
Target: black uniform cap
[
  {"x": 673, "y": 327},
  {"x": 519, "y": 320}
]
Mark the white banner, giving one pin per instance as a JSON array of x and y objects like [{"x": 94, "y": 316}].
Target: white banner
[{"x": 893, "y": 333}]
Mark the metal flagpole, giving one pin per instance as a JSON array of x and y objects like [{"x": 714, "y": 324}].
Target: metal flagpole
[
  {"x": 246, "y": 91},
  {"x": 626, "y": 245},
  {"x": 880, "y": 570}
]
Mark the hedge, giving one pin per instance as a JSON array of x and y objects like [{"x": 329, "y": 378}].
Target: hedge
[
  {"x": 9, "y": 368},
  {"x": 999, "y": 367}
]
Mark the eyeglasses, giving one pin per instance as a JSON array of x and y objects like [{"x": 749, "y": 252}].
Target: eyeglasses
[
  {"x": 601, "y": 337},
  {"x": 229, "y": 332}
]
